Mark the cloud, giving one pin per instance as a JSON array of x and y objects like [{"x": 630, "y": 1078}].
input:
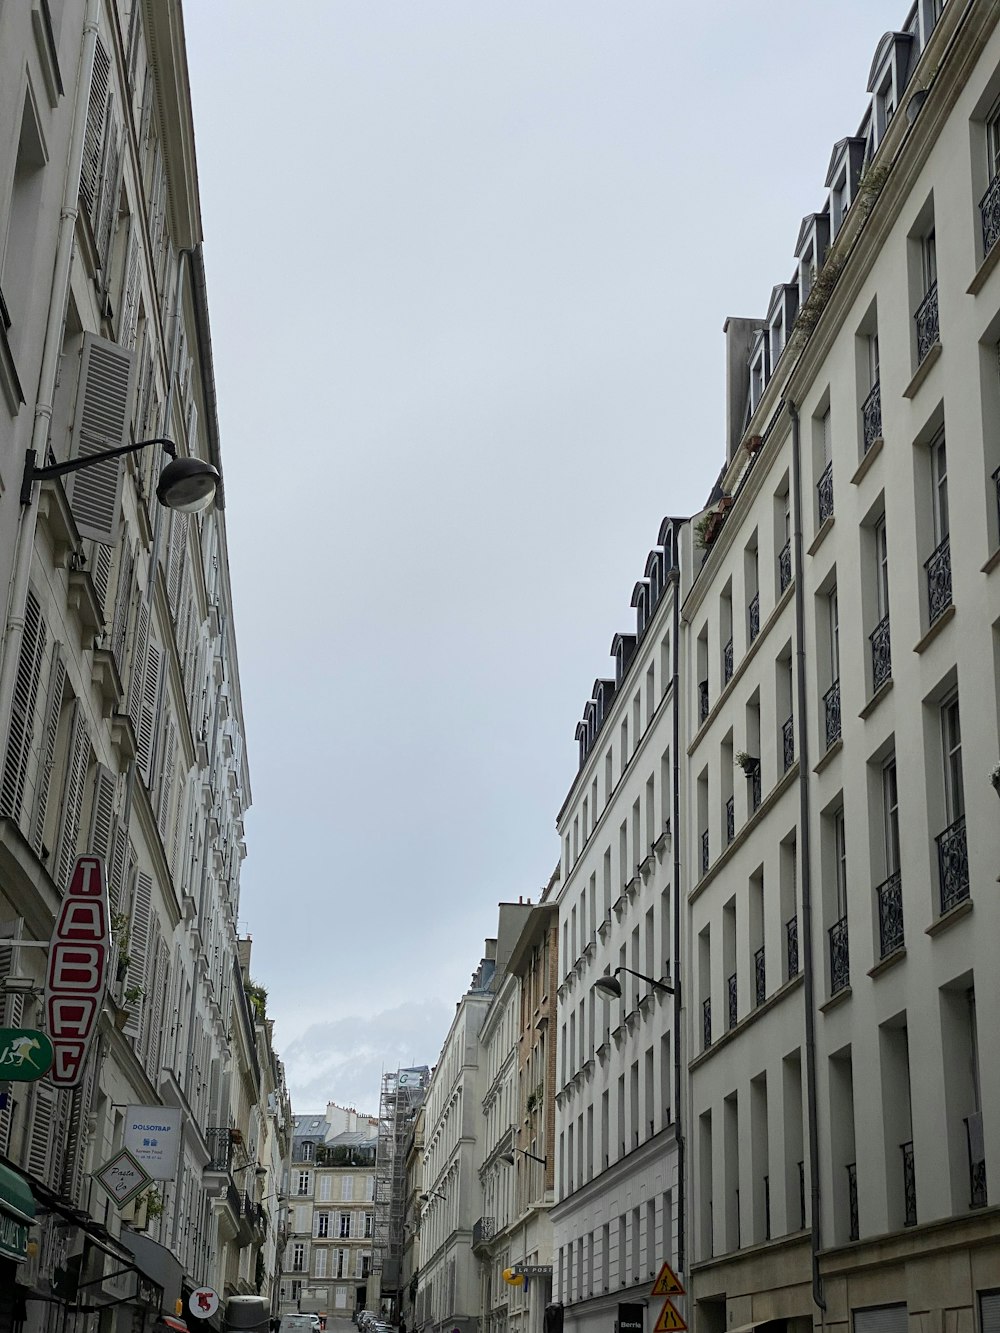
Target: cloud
[{"x": 343, "y": 1060}]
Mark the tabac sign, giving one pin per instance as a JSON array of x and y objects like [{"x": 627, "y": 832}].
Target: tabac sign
[{"x": 78, "y": 967}]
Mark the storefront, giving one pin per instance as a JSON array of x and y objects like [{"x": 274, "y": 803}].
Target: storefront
[{"x": 17, "y": 1214}]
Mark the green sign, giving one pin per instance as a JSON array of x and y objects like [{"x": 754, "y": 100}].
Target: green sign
[
  {"x": 17, "y": 1212},
  {"x": 24, "y": 1055},
  {"x": 13, "y": 1237}
]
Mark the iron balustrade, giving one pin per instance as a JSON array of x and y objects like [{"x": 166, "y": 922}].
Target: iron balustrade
[
  {"x": 785, "y": 566},
  {"x": 938, "y": 567},
  {"x": 926, "y": 319},
  {"x": 871, "y": 416},
  {"x": 824, "y": 492},
  {"x": 977, "y": 1160},
  {"x": 890, "y": 914},
  {"x": 996, "y": 483},
  {"x": 753, "y": 616},
  {"x": 727, "y": 663},
  {"x": 220, "y": 1148},
  {"x": 759, "y": 977},
  {"x": 802, "y": 1196},
  {"x": 881, "y": 653},
  {"x": 755, "y": 791},
  {"x": 792, "y": 946},
  {"x": 909, "y": 1186},
  {"x": 788, "y": 743},
  {"x": 706, "y": 1022},
  {"x": 767, "y": 1208},
  {"x": 989, "y": 211},
  {"x": 702, "y": 700},
  {"x": 704, "y": 852},
  {"x": 840, "y": 962},
  {"x": 731, "y": 986},
  {"x": 953, "y": 864},
  {"x": 852, "y": 1200},
  {"x": 831, "y": 706},
  {"x": 483, "y": 1230},
  {"x": 730, "y": 821}
]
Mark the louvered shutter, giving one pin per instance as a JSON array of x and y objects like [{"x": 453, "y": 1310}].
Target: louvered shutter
[
  {"x": 102, "y": 810},
  {"x": 138, "y": 673},
  {"x": 50, "y": 733},
  {"x": 881, "y": 1319},
  {"x": 11, "y": 1014},
  {"x": 22, "y": 713},
  {"x": 157, "y": 1011},
  {"x": 107, "y": 204},
  {"x": 119, "y": 627},
  {"x": 42, "y": 1118},
  {"x": 147, "y": 710},
  {"x": 93, "y": 140},
  {"x": 175, "y": 558},
  {"x": 146, "y": 1038},
  {"x": 138, "y": 948},
  {"x": 989, "y": 1312},
  {"x": 129, "y": 316},
  {"x": 101, "y": 557},
  {"x": 100, "y": 423},
  {"x": 74, "y": 1175},
  {"x": 78, "y": 761}
]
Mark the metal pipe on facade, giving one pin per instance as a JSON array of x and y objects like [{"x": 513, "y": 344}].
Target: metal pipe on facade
[{"x": 675, "y": 818}]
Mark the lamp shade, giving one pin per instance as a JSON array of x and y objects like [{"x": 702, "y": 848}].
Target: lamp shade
[
  {"x": 188, "y": 485},
  {"x": 507, "y": 1157},
  {"x": 609, "y": 987}
]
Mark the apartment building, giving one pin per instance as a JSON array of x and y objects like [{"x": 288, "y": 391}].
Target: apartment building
[
  {"x": 121, "y": 723},
  {"x": 619, "y": 1209},
  {"x": 842, "y": 649},
  {"x": 412, "y": 1208}
]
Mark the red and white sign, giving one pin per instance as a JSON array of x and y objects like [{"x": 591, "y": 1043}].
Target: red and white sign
[
  {"x": 78, "y": 968},
  {"x": 204, "y": 1302}
]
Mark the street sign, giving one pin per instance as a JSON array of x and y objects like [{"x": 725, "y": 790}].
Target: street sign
[
  {"x": 78, "y": 966},
  {"x": 667, "y": 1283},
  {"x": 670, "y": 1321},
  {"x": 204, "y": 1302},
  {"x": 24, "y": 1054},
  {"x": 122, "y": 1177},
  {"x": 152, "y": 1135}
]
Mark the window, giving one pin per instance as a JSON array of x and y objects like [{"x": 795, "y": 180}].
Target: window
[
  {"x": 298, "y": 1257},
  {"x": 939, "y": 493},
  {"x": 319, "y": 1262},
  {"x": 840, "y": 863},
  {"x": 347, "y": 1188},
  {"x": 322, "y": 1225},
  {"x": 890, "y": 817},
  {"x": 928, "y": 256},
  {"x": 369, "y": 1225},
  {"x": 952, "y": 745},
  {"x": 307, "y": 1152},
  {"x": 344, "y": 1226},
  {"x": 304, "y": 1182},
  {"x": 881, "y": 570},
  {"x": 325, "y": 1190}
]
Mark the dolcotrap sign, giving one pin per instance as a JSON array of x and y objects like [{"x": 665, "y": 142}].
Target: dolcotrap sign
[{"x": 78, "y": 968}]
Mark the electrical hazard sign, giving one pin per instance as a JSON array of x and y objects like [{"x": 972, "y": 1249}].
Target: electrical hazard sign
[
  {"x": 667, "y": 1283},
  {"x": 670, "y": 1320}
]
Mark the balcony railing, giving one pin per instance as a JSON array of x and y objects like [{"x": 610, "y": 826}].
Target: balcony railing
[
  {"x": 824, "y": 492},
  {"x": 852, "y": 1201},
  {"x": 989, "y": 211},
  {"x": 767, "y": 1207},
  {"x": 753, "y": 616},
  {"x": 727, "y": 663},
  {"x": 785, "y": 566},
  {"x": 759, "y": 977},
  {"x": 483, "y": 1231},
  {"x": 220, "y": 1148},
  {"x": 840, "y": 963},
  {"x": 926, "y": 319},
  {"x": 831, "y": 707},
  {"x": 788, "y": 743},
  {"x": 953, "y": 864},
  {"x": 871, "y": 416},
  {"x": 755, "y": 793},
  {"x": 792, "y": 946},
  {"x": 704, "y": 852},
  {"x": 938, "y": 566},
  {"x": 730, "y": 821},
  {"x": 909, "y": 1186},
  {"x": 977, "y": 1160},
  {"x": 890, "y": 914},
  {"x": 881, "y": 653},
  {"x": 996, "y": 483},
  {"x": 731, "y": 987},
  {"x": 802, "y": 1196},
  {"x": 702, "y": 700},
  {"x": 706, "y": 1022}
]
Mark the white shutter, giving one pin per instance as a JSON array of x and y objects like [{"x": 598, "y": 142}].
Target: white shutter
[
  {"x": 99, "y": 839},
  {"x": 100, "y": 423},
  {"x": 129, "y": 317},
  {"x": 138, "y": 673},
  {"x": 175, "y": 558},
  {"x": 157, "y": 1010},
  {"x": 50, "y": 733},
  {"x": 147, "y": 711},
  {"x": 881, "y": 1319},
  {"x": 22, "y": 713},
  {"x": 107, "y": 204},
  {"x": 78, "y": 761},
  {"x": 42, "y": 1119},
  {"x": 138, "y": 946},
  {"x": 74, "y": 1175},
  {"x": 101, "y": 557},
  {"x": 122, "y": 858},
  {"x": 93, "y": 141},
  {"x": 119, "y": 627}
]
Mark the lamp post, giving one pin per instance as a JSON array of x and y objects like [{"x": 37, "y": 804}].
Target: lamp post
[
  {"x": 509, "y": 1157},
  {"x": 610, "y": 987},
  {"x": 186, "y": 484},
  {"x": 426, "y": 1198}
]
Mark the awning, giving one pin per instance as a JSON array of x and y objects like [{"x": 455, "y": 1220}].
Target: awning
[{"x": 17, "y": 1213}]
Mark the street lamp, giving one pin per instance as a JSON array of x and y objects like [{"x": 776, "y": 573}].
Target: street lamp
[
  {"x": 610, "y": 987},
  {"x": 426, "y": 1198},
  {"x": 186, "y": 484},
  {"x": 509, "y": 1158}
]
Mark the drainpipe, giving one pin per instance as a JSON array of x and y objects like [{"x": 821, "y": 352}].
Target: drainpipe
[
  {"x": 675, "y": 829},
  {"x": 805, "y": 939},
  {"x": 55, "y": 322}
]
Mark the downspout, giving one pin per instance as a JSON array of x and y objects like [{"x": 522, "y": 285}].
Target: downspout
[
  {"x": 55, "y": 320},
  {"x": 675, "y": 829},
  {"x": 805, "y": 940}
]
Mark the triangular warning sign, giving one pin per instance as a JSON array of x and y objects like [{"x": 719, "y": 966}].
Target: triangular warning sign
[
  {"x": 667, "y": 1283},
  {"x": 669, "y": 1321}
]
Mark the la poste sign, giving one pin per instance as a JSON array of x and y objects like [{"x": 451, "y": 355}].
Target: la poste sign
[{"x": 79, "y": 950}]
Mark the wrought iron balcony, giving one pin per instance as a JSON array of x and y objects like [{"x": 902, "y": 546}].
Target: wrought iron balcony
[
  {"x": 788, "y": 743},
  {"x": 220, "y": 1148},
  {"x": 890, "y": 914},
  {"x": 909, "y": 1186},
  {"x": 706, "y": 1021},
  {"x": 759, "y": 977},
  {"x": 852, "y": 1200},
  {"x": 767, "y": 1207},
  {"x": 824, "y": 492},
  {"x": 730, "y": 821},
  {"x": 953, "y": 864},
  {"x": 802, "y": 1196},
  {"x": 785, "y": 566},
  {"x": 977, "y": 1160},
  {"x": 831, "y": 706},
  {"x": 755, "y": 793},
  {"x": 702, "y": 700},
  {"x": 989, "y": 211},
  {"x": 938, "y": 566},
  {"x": 731, "y": 988},
  {"x": 871, "y": 416},
  {"x": 881, "y": 653},
  {"x": 840, "y": 964},
  {"x": 753, "y": 616},
  {"x": 996, "y": 483},
  {"x": 483, "y": 1231},
  {"x": 792, "y": 946},
  {"x": 704, "y": 852},
  {"x": 727, "y": 662},
  {"x": 926, "y": 319}
]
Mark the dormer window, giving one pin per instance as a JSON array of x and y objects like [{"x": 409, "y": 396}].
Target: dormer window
[
  {"x": 842, "y": 179},
  {"x": 640, "y": 595},
  {"x": 654, "y": 575},
  {"x": 841, "y": 202},
  {"x": 889, "y": 73},
  {"x": 758, "y": 373}
]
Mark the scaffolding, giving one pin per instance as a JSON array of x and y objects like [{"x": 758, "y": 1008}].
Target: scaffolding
[{"x": 403, "y": 1093}]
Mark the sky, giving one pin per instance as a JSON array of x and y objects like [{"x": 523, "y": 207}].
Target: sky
[{"x": 468, "y": 266}]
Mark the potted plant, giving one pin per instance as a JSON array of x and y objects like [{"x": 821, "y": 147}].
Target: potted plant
[
  {"x": 120, "y": 932},
  {"x": 746, "y": 761},
  {"x": 995, "y": 778},
  {"x": 753, "y": 444},
  {"x": 133, "y": 994}
]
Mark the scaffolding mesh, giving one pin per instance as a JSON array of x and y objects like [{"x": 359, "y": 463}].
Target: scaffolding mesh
[{"x": 402, "y": 1096}]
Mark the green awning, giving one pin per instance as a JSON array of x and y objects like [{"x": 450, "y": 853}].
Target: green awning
[{"x": 17, "y": 1212}]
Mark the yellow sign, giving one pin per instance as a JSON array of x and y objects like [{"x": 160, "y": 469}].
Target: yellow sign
[
  {"x": 667, "y": 1283},
  {"x": 670, "y": 1321},
  {"x": 514, "y": 1279}
]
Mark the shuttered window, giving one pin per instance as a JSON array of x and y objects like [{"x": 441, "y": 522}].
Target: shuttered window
[
  {"x": 110, "y": 190},
  {"x": 881, "y": 1319},
  {"x": 138, "y": 948},
  {"x": 42, "y": 1120},
  {"x": 74, "y": 787},
  {"x": 119, "y": 628},
  {"x": 22, "y": 718},
  {"x": 989, "y": 1312},
  {"x": 129, "y": 304},
  {"x": 93, "y": 141},
  {"x": 100, "y": 422},
  {"x": 102, "y": 809},
  {"x": 47, "y": 756}
]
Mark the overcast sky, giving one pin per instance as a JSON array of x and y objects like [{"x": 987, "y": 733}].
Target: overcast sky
[{"x": 468, "y": 264}]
